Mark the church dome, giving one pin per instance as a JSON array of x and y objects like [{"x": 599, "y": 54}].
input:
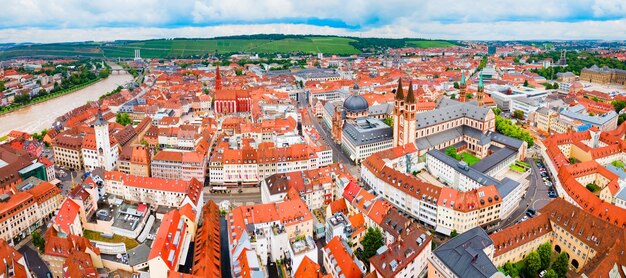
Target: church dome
[{"x": 355, "y": 104}]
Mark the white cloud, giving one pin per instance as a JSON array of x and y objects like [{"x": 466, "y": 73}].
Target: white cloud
[
  {"x": 69, "y": 20},
  {"x": 612, "y": 30}
]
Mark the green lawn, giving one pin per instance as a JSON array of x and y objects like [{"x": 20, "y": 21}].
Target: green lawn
[
  {"x": 517, "y": 168},
  {"x": 522, "y": 163},
  {"x": 93, "y": 235},
  {"x": 429, "y": 44},
  {"x": 185, "y": 47},
  {"x": 469, "y": 158}
]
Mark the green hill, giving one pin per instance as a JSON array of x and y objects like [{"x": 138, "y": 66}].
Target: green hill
[{"x": 261, "y": 44}]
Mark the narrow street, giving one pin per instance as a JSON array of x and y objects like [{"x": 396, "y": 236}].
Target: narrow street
[
  {"x": 338, "y": 154},
  {"x": 536, "y": 196}
]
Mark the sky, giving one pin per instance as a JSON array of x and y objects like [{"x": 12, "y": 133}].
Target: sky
[{"x": 105, "y": 20}]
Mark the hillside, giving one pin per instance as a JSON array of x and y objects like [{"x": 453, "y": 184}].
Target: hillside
[{"x": 261, "y": 44}]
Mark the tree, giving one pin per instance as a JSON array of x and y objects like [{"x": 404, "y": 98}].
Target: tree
[
  {"x": 550, "y": 273},
  {"x": 451, "y": 151},
  {"x": 618, "y": 105},
  {"x": 454, "y": 233},
  {"x": 469, "y": 96},
  {"x": 372, "y": 240},
  {"x": 532, "y": 263},
  {"x": 545, "y": 253},
  {"x": 456, "y": 85},
  {"x": 595, "y": 99},
  {"x": 104, "y": 73},
  {"x": 39, "y": 241},
  {"x": 561, "y": 264},
  {"x": 555, "y": 85},
  {"x": 621, "y": 118},
  {"x": 518, "y": 114},
  {"x": 388, "y": 121},
  {"x": 497, "y": 111},
  {"x": 123, "y": 119},
  {"x": 526, "y": 83}
]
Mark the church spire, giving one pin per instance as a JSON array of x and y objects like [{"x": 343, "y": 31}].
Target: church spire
[
  {"x": 462, "y": 77},
  {"x": 410, "y": 97},
  {"x": 399, "y": 93},
  {"x": 218, "y": 78},
  {"x": 480, "y": 82}
]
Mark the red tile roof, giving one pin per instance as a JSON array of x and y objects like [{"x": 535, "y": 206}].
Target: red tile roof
[
  {"x": 345, "y": 262},
  {"x": 169, "y": 239}
]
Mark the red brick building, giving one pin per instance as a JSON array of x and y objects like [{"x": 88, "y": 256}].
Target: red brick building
[{"x": 232, "y": 101}]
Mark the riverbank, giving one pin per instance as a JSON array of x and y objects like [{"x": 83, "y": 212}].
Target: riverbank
[
  {"x": 41, "y": 115},
  {"x": 51, "y": 96}
]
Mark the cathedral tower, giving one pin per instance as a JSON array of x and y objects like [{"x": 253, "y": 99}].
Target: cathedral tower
[
  {"x": 480, "y": 94},
  {"x": 462, "y": 88},
  {"x": 106, "y": 157},
  {"x": 398, "y": 109},
  {"x": 407, "y": 122}
]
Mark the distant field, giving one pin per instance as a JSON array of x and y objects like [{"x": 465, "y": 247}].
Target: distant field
[
  {"x": 430, "y": 44},
  {"x": 188, "y": 47}
]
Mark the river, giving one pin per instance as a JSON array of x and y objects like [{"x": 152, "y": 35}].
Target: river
[{"x": 40, "y": 116}]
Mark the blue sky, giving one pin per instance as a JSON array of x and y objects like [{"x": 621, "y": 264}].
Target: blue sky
[{"x": 79, "y": 20}]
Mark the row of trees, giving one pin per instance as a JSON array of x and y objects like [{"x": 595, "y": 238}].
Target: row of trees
[
  {"x": 508, "y": 128},
  {"x": 575, "y": 63},
  {"x": 551, "y": 86},
  {"x": 115, "y": 91},
  {"x": 539, "y": 260}
]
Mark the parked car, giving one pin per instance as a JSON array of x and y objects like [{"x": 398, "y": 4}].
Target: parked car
[
  {"x": 524, "y": 218},
  {"x": 542, "y": 273},
  {"x": 552, "y": 194},
  {"x": 549, "y": 183},
  {"x": 531, "y": 212}
]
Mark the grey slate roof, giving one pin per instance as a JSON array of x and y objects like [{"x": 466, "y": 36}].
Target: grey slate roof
[
  {"x": 469, "y": 171},
  {"x": 367, "y": 131},
  {"x": 464, "y": 255},
  {"x": 506, "y": 186},
  {"x": 576, "y": 114},
  {"x": 431, "y": 141},
  {"x": 449, "y": 110},
  {"x": 616, "y": 170},
  {"x": 492, "y": 160},
  {"x": 482, "y": 138},
  {"x": 511, "y": 142},
  {"x": 380, "y": 109}
]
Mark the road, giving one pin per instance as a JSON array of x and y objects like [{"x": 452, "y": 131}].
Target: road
[
  {"x": 249, "y": 195},
  {"x": 34, "y": 262},
  {"x": 338, "y": 154},
  {"x": 536, "y": 196}
]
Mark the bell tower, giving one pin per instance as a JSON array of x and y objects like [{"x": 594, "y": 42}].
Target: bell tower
[
  {"x": 462, "y": 88},
  {"x": 480, "y": 94},
  {"x": 408, "y": 123},
  {"x": 103, "y": 143},
  {"x": 398, "y": 116}
]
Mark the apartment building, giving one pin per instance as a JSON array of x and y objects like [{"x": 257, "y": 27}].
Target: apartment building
[
  {"x": 178, "y": 165},
  {"x": 155, "y": 191},
  {"x": 589, "y": 241},
  {"x": 12, "y": 263},
  {"x": 407, "y": 257},
  {"x": 21, "y": 213},
  {"x": 469, "y": 254},
  {"x": 134, "y": 160},
  {"x": 340, "y": 261}
]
